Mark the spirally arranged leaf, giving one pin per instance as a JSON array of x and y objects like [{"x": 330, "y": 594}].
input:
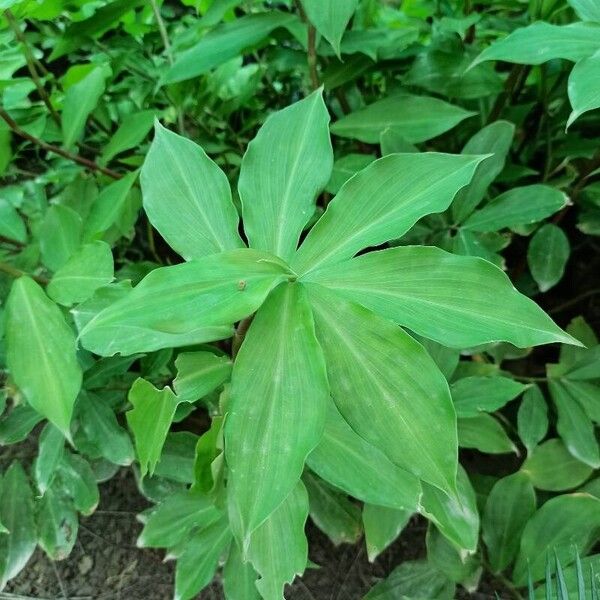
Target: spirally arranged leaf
[
  {"x": 187, "y": 197},
  {"x": 346, "y": 460},
  {"x": 278, "y": 548},
  {"x": 374, "y": 371},
  {"x": 279, "y": 395},
  {"x": 184, "y": 304},
  {"x": 285, "y": 167},
  {"x": 583, "y": 86},
  {"x": 41, "y": 354},
  {"x": 330, "y": 17},
  {"x": 382, "y": 202},
  {"x": 415, "y": 286},
  {"x": 416, "y": 118},
  {"x": 541, "y": 41}
]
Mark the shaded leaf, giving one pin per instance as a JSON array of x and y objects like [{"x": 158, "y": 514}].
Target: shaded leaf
[
  {"x": 532, "y": 418},
  {"x": 199, "y": 373},
  {"x": 330, "y": 17},
  {"x": 547, "y": 255},
  {"x": 382, "y": 526}
]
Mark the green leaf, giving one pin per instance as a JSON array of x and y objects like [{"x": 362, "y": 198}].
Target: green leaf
[
  {"x": 587, "y": 10},
  {"x": 16, "y": 514},
  {"x": 589, "y": 566},
  {"x": 18, "y": 424},
  {"x": 80, "y": 100},
  {"x": 279, "y": 395},
  {"x": 346, "y": 167},
  {"x": 413, "y": 580},
  {"x": 332, "y": 512},
  {"x": 41, "y": 353},
  {"x": 509, "y": 506},
  {"x": 518, "y": 206},
  {"x": 587, "y": 395},
  {"x": 99, "y": 428},
  {"x": 541, "y": 42},
  {"x": 278, "y": 549},
  {"x": 330, "y": 18},
  {"x": 171, "y": 522},
  {"x": 187, "y": 197},
  {"x": 199, "y": 373},
  {"x": 131, "y": 132},
  {"x": 88, "y": 269},
  {"x": 382, "y": 526},
  {"x": 59, "y": 236},
  {"x": 472, "y": 395},
  {"x": 484, "y": 433},
  {"x": 416, "y": 118},
  {"x": 574, "y": 426},
  {"x": 284, "y": 169},
  {"x": 547, "y": 255},
  {"x": 494, "y": 139},
  {"x": 149, "y": 421},
  {"x": 582, "y": 88},
  {"x": 562, "y": 524},
  {"x": 239, "y": 577},
  {"x": 415, "y": 286},
  {"x": 57, "y": 525},
  {"x": 346, "y": 460},
  {"x": 185, "y": 304},
  {"x": 378, "y": 382},
  {"x": 108, "y": 207},
  {"x": 11, "y": 224},
  {"x": 79, "y": 482},
  {"x": 456, "y": 517},
  {"x": 224, "y": 42},
  {"x": 553, "y": 468},
  {"x": 532, "y": 418},
  {"x": 50, "y": 452},
  {"x": 457, "y": 565},
  {"x": 197, "y": 563},
  {"x": 382, "y": 202}
]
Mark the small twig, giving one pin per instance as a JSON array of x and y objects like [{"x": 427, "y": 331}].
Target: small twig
[
  {"x": 89, "y": 164},
  {"x": 589, "y": 169},
  {"x": 7, "y": 240},
  {"x": 574, "y": 301},
  {"x": 61, "y": 585},
  {"x": 512, "y": 87},
  {"x": 239, "y": 335},
  {"x": 311, "y": 47},
  {"x": 16, "y": 273},
  {"x": 162, "y": 30}
]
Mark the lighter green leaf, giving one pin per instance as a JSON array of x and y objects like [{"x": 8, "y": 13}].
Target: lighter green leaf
[
  {"x": 382, "y": 526},
  {"x": 284, "y": 169},
  {"x": 330, "y": 18},
  {"x": 199, "y": 373},
  {"x": 387, "y": 388},
  {"x": 187, "y": 197},
  {"x": 547, "y": 255},
  {"x": 532, "y": 418},
  {"x": 346, "y": 460},
  {"x": 484, "y": 433},
  {"x": 574, "y": 426},
  {"x": 541, "y": 41},
  {"x": 197, "y": 563},
  {"x": 416, "y": 118},
  {"x": 185, "y": 304},
  {"x": 50, "y": 452},
  {"x": 16, "y": 514},
  {"x": 225, "y": 42},
  {"x": 279, "y": 395},
  {"x": 416, "y": 286},
  {"x": 278, "y": 548},
  {"x": 552, "y": 467},
  {"x": 88, "y": 269},
  {"x": 80, "y": 100},
  {"x": 584, "y": 84},
  {"x": 472, "y": 395},
  {"x": 79, "y": 482},
  {"x": 509, "y": 506},
  {"x": 456, "y": 517},
  {"x": 59, "y": 236},
  {"x": 382, "y": 202},
  {"x": 57, "y": 524},
  {"x": 587, "y": 10},
  {"x": 239, "y": 577},
  {"x": 587, "y": 395},
  {"x": 41, "y": 353},
  {"x": 149, "y": 421},
  {"x": 345, "y": 167},
  {"x": 131, "y": 132},
  {"x": 11, "y": 224},
  {"x": 561, "y": 525}
]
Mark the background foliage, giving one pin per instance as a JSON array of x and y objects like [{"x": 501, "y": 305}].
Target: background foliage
[{"x": 82, "y": 83}]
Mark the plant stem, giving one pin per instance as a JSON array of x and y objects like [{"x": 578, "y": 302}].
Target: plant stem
[
  {"x": 31, "y": 65},
  {"x": 89, "y": 164},
  {"x": 311, "y": 48},
  {"x": 14, "y": 272},
  {"x": 7, "y": 240},
  {"x": 239, "y": 335},
  {"x": 574, "y": 301},
  {"x": 512, "y": 87}
]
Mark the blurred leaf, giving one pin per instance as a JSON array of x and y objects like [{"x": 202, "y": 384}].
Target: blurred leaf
[
  {"x": 11, "y": 224},
  {"x": 131, "y": 132},
  {"x": 57, "y": 525},
  {"x": 18, "y": 424},
  {"x": 199, "y": 373},
  {"x": 239, "y": 577},
  {"x": 330, "y": 18},
  {"x": 382, "y": 526},
  {"x": 50, "y": 452},
  {"x": 587, "y": 10},
  {"x": 59, "y": 236},
  {"x": 547, "y": 255},
  {"x": 532, "y": 418},
  {"x": 79, "y": 483}
]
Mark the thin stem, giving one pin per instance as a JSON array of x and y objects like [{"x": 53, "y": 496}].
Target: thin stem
[
  {"x": 574, "y": 301},
  {"x": 311, "y": 48},
  {"x": 89, "y": 164},
  {"x": 31, "y": 65},
  {"x": 162, "y": 30},
  {"x": 16, "y": 273},
  {"x": 239, "y": 335},
  {"x": 512, "y": 87},
  {"x": 10, "y": 241},
  {"x": 592, "y": 165}
]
